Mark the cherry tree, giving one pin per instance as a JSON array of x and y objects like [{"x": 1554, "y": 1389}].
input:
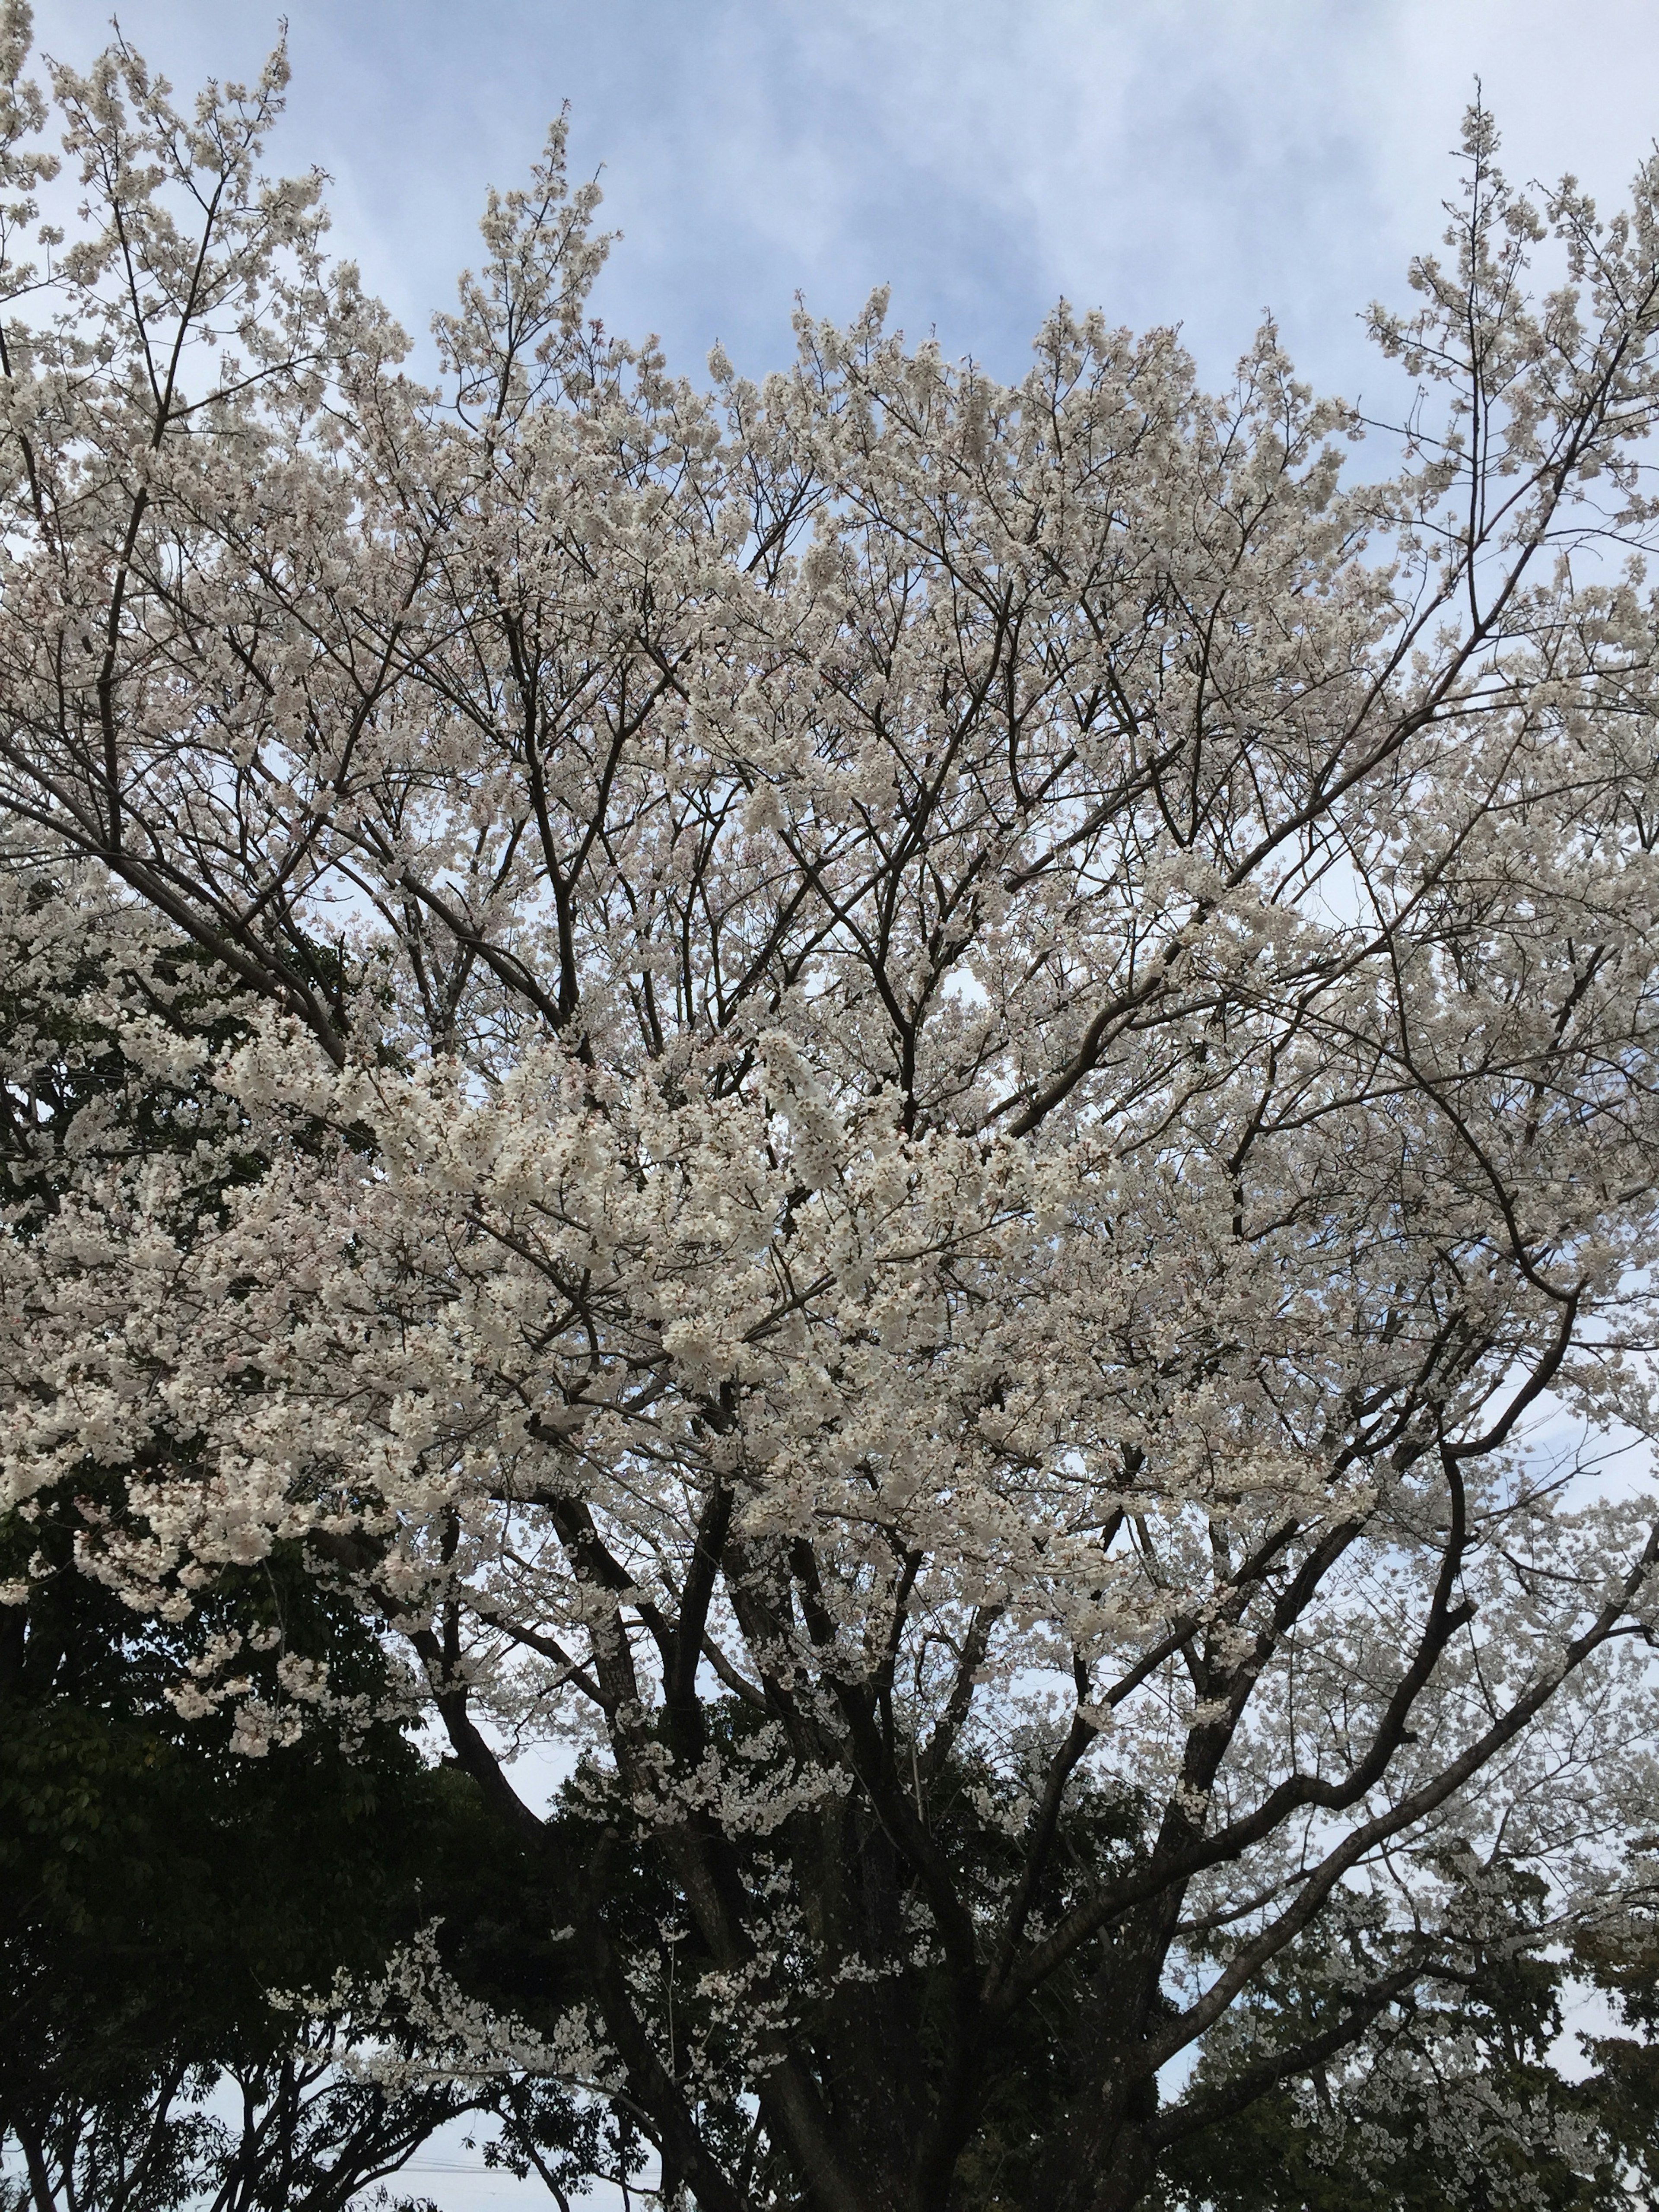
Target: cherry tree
[{"x": 936, "y": 1130}]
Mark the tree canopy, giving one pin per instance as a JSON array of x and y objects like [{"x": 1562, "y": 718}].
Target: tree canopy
[{"x": 919, "y": 1111}]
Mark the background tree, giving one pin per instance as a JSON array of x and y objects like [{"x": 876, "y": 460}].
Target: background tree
[
  {"x": 158, "y": 1884},
  {"x": 938, "y": 1078},
  {"x": 1447, "y": 2109}
]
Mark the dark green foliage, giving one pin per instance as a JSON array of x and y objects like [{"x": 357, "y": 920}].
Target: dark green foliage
[
  {"x": 1461, "y": 2092},
  {"x": 159, "y": 1884}
]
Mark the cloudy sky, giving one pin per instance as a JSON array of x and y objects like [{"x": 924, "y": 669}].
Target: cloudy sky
[
  {"x": 1190, "y": 161},
  {"x": 1169, "y": 160}
]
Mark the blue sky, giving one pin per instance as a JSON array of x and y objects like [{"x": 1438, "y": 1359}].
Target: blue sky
[{"x": 1190, "y": 161}]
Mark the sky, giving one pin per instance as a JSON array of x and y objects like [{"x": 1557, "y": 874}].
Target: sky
[
  {"x": 1167, "y": 161},
  {"x": 1189, "y": 161}
]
